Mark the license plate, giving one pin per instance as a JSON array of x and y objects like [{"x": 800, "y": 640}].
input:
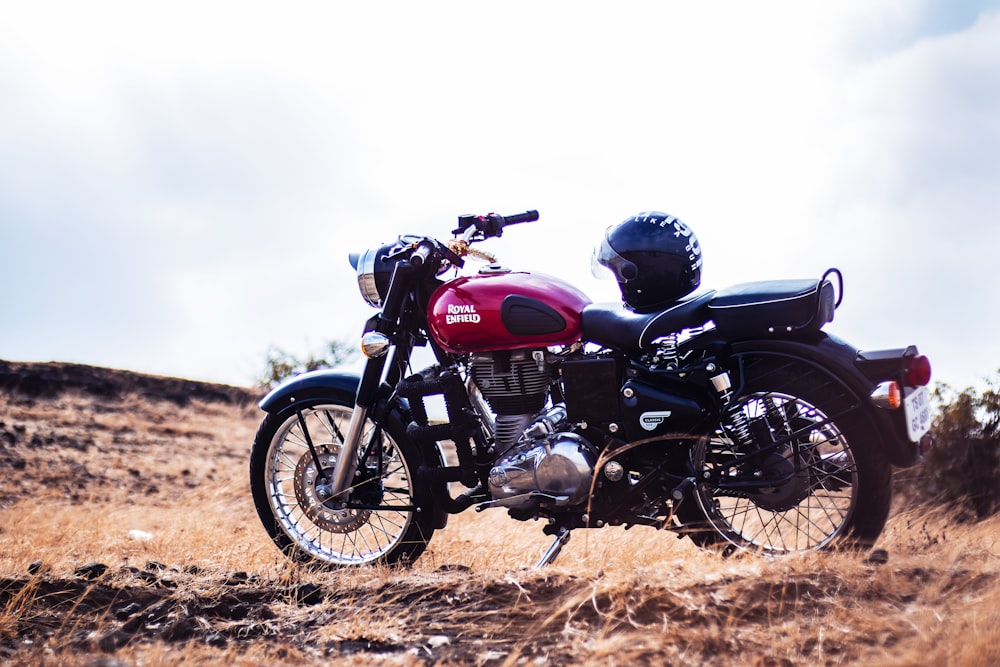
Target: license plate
[{"x": 917, "y": 407}]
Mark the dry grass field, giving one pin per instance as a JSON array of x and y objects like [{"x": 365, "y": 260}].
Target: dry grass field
[{"x": 128, "y": 537}]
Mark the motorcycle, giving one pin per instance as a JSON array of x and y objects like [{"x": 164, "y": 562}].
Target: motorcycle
[{"x": 730, "y": 417}]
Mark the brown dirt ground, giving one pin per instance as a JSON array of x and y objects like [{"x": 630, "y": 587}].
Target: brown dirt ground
[{"x": 128, "y": 537}]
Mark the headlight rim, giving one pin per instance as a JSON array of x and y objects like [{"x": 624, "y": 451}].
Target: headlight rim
[{"x": 367, "y": 284}]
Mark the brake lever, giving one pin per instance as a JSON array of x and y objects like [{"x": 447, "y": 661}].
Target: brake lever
[{"x": 464, "y": 222}]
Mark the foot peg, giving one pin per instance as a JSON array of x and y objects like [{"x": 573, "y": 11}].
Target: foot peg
[{"x": 682, "y": 489}]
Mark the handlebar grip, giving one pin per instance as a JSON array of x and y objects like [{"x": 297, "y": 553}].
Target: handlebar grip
[
  {"x": 421, "y": 254},
  {"x": 527, "y": 216}
]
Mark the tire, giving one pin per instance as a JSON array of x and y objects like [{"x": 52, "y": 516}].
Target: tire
[
  {"x": 827, "y": 484},
  {"x": 283, "y": 480}
]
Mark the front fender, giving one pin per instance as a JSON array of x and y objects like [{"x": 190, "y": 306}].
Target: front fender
[
  {"x": 314, "y": 384},
  {"x": 850, "y": 366}
]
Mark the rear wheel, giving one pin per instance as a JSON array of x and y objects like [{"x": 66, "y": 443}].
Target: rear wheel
[
  {"x": 795, "y": 468},
  {"x": 291, "y": 465}
]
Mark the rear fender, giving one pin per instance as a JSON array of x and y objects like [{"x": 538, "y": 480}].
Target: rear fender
[
  {"x": 881, "y": 365},
  {"x": 860, "y": 372}
]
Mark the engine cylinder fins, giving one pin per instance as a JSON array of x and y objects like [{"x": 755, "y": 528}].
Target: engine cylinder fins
[
  {"x": 513, "y": 382},
  {"x": 509, "y": 428}
]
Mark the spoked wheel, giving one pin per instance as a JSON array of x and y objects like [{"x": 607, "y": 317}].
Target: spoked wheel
[
  {"x": 291, "y": 470},
  {"x": 795, "y": 469}
]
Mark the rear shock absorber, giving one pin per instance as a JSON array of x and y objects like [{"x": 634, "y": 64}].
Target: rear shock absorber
[{"x": 738, "y": 422}]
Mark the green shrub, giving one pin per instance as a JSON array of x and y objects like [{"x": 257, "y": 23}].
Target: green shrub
[{"x": 281, "y": 365}]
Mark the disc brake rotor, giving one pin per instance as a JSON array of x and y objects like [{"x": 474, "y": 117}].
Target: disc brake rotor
[{"x": 312, "y": 492}]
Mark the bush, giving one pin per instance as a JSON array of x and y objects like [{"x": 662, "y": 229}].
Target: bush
[
  {"x": 281, "y": 365},
  {"x": 963, "y": 468}
]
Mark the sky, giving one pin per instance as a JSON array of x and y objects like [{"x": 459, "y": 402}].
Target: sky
[{"x": 181, "y": 183}]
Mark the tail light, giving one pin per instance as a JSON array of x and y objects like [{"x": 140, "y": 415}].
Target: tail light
[{"x": 918, "y": 371}]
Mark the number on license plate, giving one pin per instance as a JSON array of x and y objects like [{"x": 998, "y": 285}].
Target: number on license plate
[{"x": 917, "y": 407}]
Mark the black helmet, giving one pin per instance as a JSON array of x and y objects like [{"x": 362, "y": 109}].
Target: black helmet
[{"x": 654, "y": 256}]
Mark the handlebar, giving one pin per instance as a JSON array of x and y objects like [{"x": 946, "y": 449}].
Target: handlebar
[{"x": 491, "y": 224}]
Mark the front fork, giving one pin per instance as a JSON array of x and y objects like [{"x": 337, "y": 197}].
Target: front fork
[
  {"x": 347, "y": 462},
  {"x": 385, "y": 323}
]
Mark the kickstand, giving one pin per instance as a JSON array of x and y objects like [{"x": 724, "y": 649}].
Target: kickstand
[{"x": 562, "y": 537}]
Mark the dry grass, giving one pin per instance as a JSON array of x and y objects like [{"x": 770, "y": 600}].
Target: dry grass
[{"x": 208, "y": 587}]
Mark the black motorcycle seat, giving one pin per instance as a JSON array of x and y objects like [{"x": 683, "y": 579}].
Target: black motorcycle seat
[
  {"x": 773, "y": 307},
  {"x": 765, "y": 308},
  {"x": 614, "y": 325}
]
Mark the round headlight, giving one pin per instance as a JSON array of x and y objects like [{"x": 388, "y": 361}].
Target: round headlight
[
  {"x": 366, "y": 277},
  {"x": 374, "y": 274}
]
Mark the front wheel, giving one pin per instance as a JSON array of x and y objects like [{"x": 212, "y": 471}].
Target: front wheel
[
  {"x": 291, "y": 464},
  {"x": 795, "y": 468}
]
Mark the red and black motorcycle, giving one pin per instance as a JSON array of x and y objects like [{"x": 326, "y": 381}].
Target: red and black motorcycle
[{"x": 728, "y": 416}]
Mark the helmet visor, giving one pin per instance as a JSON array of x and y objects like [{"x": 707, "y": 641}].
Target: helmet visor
[{"x": 604, "y": 259}]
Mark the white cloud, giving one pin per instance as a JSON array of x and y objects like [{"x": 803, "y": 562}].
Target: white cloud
[
  {"x": 914, "y": 197},
  {"x": 182, "y": 184}
]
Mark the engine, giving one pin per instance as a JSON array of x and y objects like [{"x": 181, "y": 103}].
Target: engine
[
  {"x": 516, "y": 385},
  {"x": 553, "y": 470},
  {"x": 539, "y": 462}
]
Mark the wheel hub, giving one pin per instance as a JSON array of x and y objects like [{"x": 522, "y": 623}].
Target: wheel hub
[
  {"x": 791, "y": 487},
  {"x": 313, "y": 491}
]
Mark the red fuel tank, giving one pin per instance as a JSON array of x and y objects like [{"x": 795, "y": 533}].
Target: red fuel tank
[{"x": 502, "y": 310}]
